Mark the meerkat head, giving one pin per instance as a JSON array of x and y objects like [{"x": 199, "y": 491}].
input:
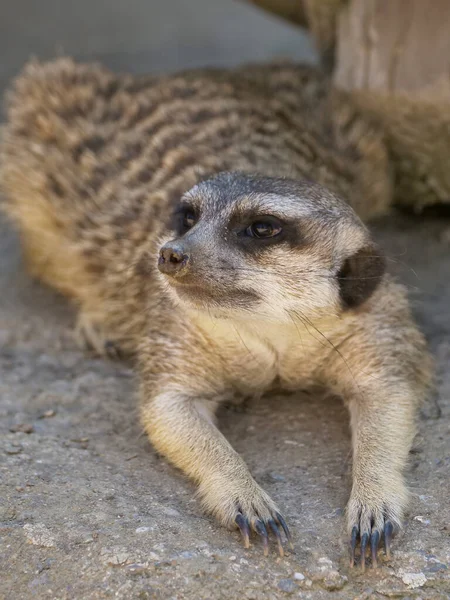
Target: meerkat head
[{"x": 268, "y": 248}]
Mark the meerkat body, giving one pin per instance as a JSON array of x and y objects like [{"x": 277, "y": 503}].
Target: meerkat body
[{"x": 269, "y": 280}]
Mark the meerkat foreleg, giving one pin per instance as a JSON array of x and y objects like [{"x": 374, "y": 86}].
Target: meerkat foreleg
[
  {"x": 182, "y": 428},
  {"x": 382, "y": 423}
]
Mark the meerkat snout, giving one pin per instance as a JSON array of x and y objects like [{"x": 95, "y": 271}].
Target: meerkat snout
[{"x": 173, "y": 259}]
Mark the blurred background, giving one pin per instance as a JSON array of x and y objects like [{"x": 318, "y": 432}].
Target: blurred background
[{"x": 145, "y": 35}]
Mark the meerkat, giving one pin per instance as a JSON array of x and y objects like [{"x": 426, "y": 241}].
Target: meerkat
[{"x": 180, "y": 215}]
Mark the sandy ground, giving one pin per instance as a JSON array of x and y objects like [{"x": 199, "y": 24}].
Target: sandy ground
[{"x": 87, "y": 509}]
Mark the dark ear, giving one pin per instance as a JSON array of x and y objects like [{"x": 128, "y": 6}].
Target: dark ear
[{"x": 360, "y": 275}]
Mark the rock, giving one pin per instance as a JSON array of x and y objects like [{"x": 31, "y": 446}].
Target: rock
[
  {"x": 299, "y": 576},
  {"x": 327, "y": 575},
  {"x": 187, "y": 554},
  {"x": 7, "y": 513},
  {"x": 287, "y": 585},
  {"x": 422, "y": 520},
  {"x": 412, "y": 580},
  {"x": 22, "y": 427},
  {"x": 333, "y": 580},
  {"x": 39, "y": 535},
  {"x": 137, "y": 569},
  {"x": 115, "y": 557},
  {"x": 48, "y": 414},
  {"x": 44, "y": 566},
  {"x": 141, "y": 530},
  {"x": 436, "y": 567},
  {"x": 13, "y": 448}
]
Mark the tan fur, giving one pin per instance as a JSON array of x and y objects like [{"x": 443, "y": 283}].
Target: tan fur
[{"x": 92, "y": 164}]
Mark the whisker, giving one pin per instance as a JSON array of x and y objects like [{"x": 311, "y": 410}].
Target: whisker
[{"x": 335, "y": 349}]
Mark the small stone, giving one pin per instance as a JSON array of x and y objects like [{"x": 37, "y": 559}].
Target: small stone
[
  {"x": 328, "y": 576},
  {"x": 13, "y": 449},
  {"x": 299, "y": 576},
  {"x": 48, "y": 414},
  {"x": 137, "y": 569},
  {"x": 171, "y": 512},
  {"x": 22, "y": 427},
  {"x": 44, "y": 566},
  {"x": 232, "y": 557},
  {"x": 162, "y": 564},
  {"x": 412, "y": 580},
  {"x": 334, "y": 581},
  {"x": 39, "y": 535},
  {"x": 186, "y": 554},
  {"x": 436, "y": 567},
  {"x": 117, "y": 559},
  {"x": 88, "y": 539},
  {"x": 366, "y": 594},
  {"x": 7, "y": 513},
  {"x": 287, "y": 585},
  {"x": 153, "y": 556},
  {"x": 143, "y": 529},
  {"x": 423, "y": 520},
  {"x": 276, "y": 477}
]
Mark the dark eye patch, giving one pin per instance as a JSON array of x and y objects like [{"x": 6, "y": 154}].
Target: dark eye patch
[{"x": 255, "y": 232}]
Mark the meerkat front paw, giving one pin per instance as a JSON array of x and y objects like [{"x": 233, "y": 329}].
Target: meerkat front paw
[
  {"x": 245, "y": 505},
  {"x": 374, "y": 514}
]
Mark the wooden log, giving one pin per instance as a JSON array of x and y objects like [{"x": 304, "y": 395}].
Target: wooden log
[
  {"x": 393, "y": 57},
  {"x": 393, "y": 45}
]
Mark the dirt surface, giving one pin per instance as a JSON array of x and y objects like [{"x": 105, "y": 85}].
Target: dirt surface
[{"x": 87, "y": 508}]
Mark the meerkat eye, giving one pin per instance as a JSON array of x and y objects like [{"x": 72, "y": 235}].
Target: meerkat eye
[
  {"x": 189, "y": 219},
  {"x": 184, "y": 218},
  {"x": 263, "y": 229}
]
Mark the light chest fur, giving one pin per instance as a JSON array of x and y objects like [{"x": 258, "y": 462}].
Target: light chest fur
[{"x": 258, "y": 355}]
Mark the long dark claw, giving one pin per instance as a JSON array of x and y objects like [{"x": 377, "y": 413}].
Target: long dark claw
[
  {"x": 280, "y": 520},
  {"x": 276, "y": 531},
  {"x": 354, "y": 539},
  {"x": 243, "y": 525},
  {"x": 374, "y": 540},
  {"x": 364, "y": 540},
  {"x": 262, "y": 531},
  {"x": 388, "y": 531}
]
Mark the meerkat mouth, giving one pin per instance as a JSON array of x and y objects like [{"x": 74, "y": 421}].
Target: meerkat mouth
[{"x": 204, "y": 296}]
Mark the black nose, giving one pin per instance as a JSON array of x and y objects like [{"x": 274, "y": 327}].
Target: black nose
[{"x": 172, "y": 260}]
